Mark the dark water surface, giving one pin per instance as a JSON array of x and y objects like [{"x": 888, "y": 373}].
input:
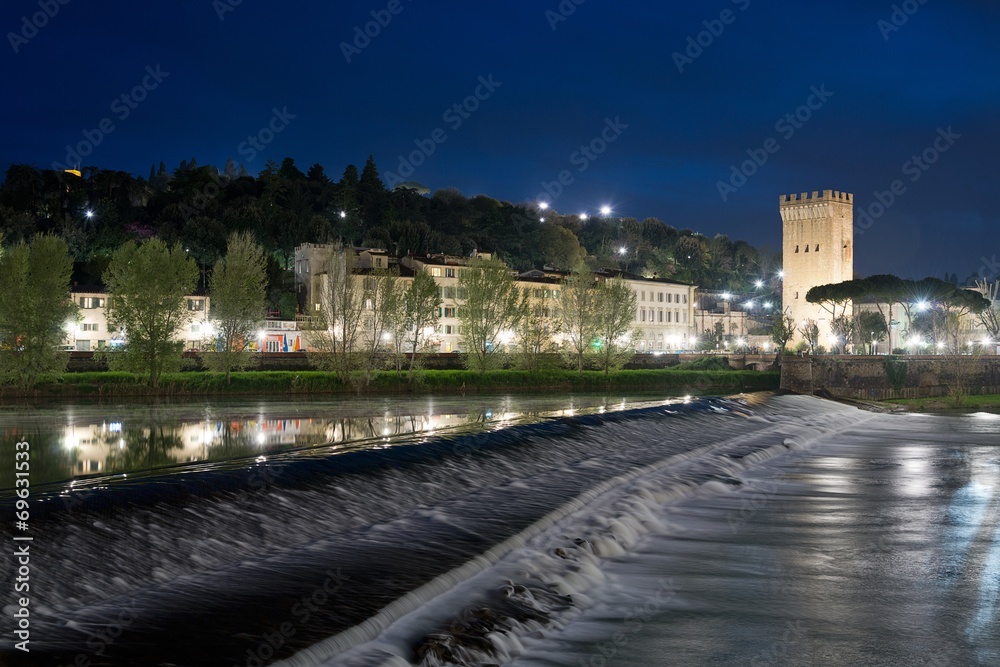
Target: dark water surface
[{"x": 782, "y": 530}]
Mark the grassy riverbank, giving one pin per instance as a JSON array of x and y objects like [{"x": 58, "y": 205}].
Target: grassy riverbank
[
  {"x": 115, "y": 384},
  {"x": 986, "y": 402}
]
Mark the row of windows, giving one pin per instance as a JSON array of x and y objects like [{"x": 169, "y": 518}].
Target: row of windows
[
  {"x": 664, "y": 297},
  {"x": 657, "y": 315},
  {"x": 438, "y": 272},
  {"x": 807, "y": 248}
]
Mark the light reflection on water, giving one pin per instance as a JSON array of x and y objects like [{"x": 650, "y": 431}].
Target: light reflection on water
[{"x": 79, "y": 441}]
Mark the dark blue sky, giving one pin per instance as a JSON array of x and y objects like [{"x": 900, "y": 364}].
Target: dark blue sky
[{"x": 886, "y": 94}]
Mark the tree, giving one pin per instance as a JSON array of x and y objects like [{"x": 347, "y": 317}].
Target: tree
[
  {"x": 421, "y": 304},
  {"x": 615, "y": 305},
  {"x": 989, "y": 318},
  {"x": 782, "y": 330},
  {"x": 810, "y": 334},
  {"x": 578, "y": 315},
  {"x": 147, "y": 285},
  {"x": 534, "y": 336},
  {"x": 492, "y": 308},
  {"x": 841, "y": 332},
  {"x": 336, "y": 342},
  {"x": 34, "y": 279},
  {"x": 383, "y": 301},
  {"x": 870, "y": 328},
  {"x": 239, "y": 291}
]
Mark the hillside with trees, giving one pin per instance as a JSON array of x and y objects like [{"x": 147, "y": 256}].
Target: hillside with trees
[{"x": 96, "y": 211}]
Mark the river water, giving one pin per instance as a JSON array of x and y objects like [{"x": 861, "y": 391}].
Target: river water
[{"x": 771, "y": 530}]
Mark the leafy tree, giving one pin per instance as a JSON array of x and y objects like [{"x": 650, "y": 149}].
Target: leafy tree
[
  {"x": 238, "y": 291},
  {"x": 147, "y": 285},
  {"x": 421, "y": 303},
  {"x": 870, "y": 328},
  {"x": 34, "y": 279},
  {"x": 616, "y": 335},
  {"x": 782, "y": 330},
  {"x": 578, "y": 315},
  {"x": 491, "y": 311}
]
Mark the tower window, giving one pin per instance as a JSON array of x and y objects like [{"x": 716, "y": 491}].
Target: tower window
[
  {"x": 807, "y": 248},
  {"x": 796, "y": 248},
  {"x": 817, "y": 247}
]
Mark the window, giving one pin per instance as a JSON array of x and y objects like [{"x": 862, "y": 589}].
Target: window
[
  {"x": 89, "y": 302},
  {"x": 685, "y": 298},
  {"x": 661, "y": 315},
  {"x": 807, "y": 248},
  {"x": 661, "y": 297},
  {"x": 643, "y": 297},
  {"x": 378, "y": 262},
  {"x": 449, "y": 292},
  {"x": 196, "y": 304},
  {"x": 88, "y": 326},
  {"x": 796, "y": 248},
  {"x": 817, "y": 247},
  {"x": 449, "y": 273},
  {"x": 435, "y": 272},
  {"x": 642, "y": 314},
  {"x": 796, "y": 295},
  {"x": 449, "y": 312}
]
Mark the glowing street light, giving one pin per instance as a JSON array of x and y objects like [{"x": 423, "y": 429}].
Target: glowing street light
[
  {"x": 921, "y": 306},
  {"x": 89, "y": 213},
  {"x": 544, "y": 205},
  {"x": 343, "y": 214},
  {"x": 748, "y": 305},
  {"x": 605, "y": 210},
  {"x": 758, "y": 283},
  {"x": 583, "y": 216},
  {"x": 622, "y": 250},
  {"x": 768, "y": 305},
  {"x": 781, "y": 274},
  {"x": 726, "y": 296}
]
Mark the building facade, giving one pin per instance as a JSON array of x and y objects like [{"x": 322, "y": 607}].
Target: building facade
[
  {"x": 817, "y": 249},
  {"x": 90, "y": 332}
]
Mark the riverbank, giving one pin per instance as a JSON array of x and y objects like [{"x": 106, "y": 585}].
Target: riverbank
[
  {"x": 990, "y": 402},
  {"x": 271, "y": 383}
]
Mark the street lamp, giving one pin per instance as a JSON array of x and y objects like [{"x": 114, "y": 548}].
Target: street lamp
[
  {"x": 758, "y": 283},
  {"x": 544, "y": 205},
  {"x": 605, "y": 210},
  {"x": 583, "y": 216}
]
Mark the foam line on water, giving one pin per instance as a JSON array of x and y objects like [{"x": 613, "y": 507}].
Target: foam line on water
[{"x": 373, "y": 627}]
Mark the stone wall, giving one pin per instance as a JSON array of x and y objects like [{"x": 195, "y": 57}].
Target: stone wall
[{"x": 865, "y": 377}]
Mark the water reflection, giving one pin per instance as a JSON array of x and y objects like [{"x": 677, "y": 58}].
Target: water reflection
[{"x": 79, "y": 441}]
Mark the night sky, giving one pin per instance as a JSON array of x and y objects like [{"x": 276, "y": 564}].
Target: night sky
[{"x": 885, "y": 85}]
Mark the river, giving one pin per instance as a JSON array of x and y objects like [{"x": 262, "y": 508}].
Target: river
[{"x": 767, "y": 530}]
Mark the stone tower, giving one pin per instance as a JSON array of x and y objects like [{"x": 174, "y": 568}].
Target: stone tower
[{"x": 817, "y": 249}]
